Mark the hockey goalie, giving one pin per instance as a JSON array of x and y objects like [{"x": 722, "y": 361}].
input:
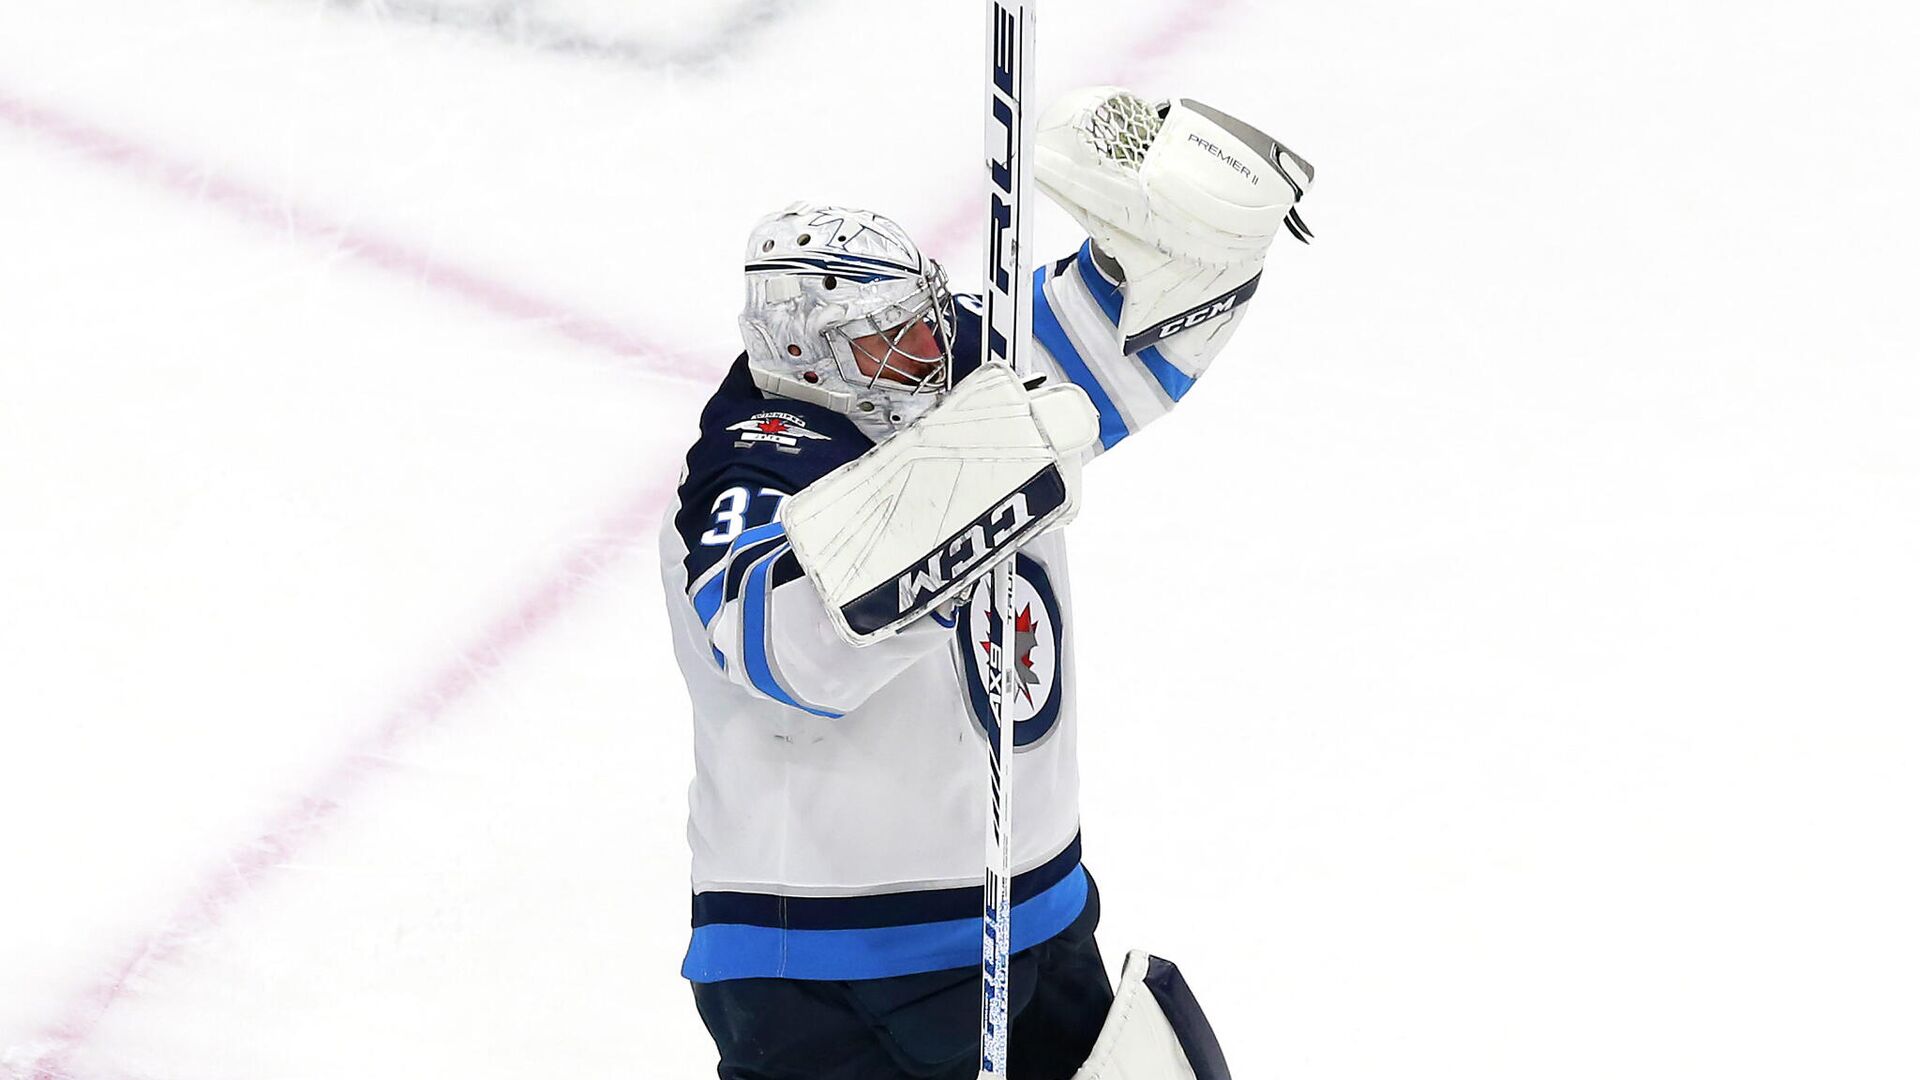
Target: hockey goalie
[{"x": 856, "y": 475}]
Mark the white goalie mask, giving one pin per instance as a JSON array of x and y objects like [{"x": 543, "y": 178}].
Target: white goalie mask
[{"x": 843, "y": 310}]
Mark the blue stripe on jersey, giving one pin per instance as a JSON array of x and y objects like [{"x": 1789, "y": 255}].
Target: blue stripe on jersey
[
  {"x": 754, "y": 634},
  {"x": 758, "y": 533},
  {"x": 1105, "y": 293},
  {"x": 706, "y": 602},
  {"x": 747, "y": 549},
  {"x": 722, "y": 951},
  {"x": 1171, "y": 379},
  {"x": 1047, "y": 328}
]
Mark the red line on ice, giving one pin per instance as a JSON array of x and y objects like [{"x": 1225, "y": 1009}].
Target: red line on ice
[
  {"x": 299, "y": 821},
  {"x": 264, "y": 208}
]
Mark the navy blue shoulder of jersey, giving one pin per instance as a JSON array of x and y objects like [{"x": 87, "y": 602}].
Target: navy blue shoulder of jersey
[
  {"x": 966, "y": 335},
  {"x": 754, "y": 449}
]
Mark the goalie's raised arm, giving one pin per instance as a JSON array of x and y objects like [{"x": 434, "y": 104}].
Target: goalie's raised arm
[{"x": 1181, "y": 203}]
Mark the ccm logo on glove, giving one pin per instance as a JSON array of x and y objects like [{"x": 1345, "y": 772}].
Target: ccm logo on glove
[
  {"x": 967, "y": 553},
  {"x": 943, "y": 567}
]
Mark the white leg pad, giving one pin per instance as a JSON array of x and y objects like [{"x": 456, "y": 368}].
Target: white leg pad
[{"x": 1155, "y": 1030}]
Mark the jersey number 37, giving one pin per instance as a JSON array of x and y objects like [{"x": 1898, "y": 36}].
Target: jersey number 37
[{"x": 735, "y": 507}]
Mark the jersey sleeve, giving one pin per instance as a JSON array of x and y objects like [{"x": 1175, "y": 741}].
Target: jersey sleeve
[
  {"x": 1076, "y": 320},
  {"x": 766, "y": 626}
]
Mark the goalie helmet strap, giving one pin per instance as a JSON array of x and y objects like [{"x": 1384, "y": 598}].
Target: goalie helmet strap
[{"x": 787, "y": 386}]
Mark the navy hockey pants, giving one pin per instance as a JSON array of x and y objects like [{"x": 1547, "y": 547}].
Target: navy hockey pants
[{"x": 914, "y": 1027}]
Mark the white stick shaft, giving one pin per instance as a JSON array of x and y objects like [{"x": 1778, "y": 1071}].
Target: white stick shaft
[
  {"x": 997, "y": 915},
  {"x": 1007, "y": 327}
]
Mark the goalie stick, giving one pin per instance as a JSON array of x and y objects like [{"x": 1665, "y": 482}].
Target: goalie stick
[{"x": 1008, "y": 324}]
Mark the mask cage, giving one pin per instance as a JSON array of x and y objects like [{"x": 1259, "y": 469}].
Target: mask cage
[{"x": 931, "y": 306}]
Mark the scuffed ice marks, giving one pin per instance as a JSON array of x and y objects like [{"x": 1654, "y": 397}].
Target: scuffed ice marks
[{"x": 687, "y": 37}]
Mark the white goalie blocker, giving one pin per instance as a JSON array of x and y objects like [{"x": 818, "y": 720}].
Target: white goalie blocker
[
  {"x": 1155, "y": 1029},
  {"x": 1185, "y": 198},
  {"x": 910, "y": 525}
]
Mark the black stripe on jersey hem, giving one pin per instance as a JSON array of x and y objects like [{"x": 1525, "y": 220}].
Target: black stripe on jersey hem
[{"x": 869, "y": 912}]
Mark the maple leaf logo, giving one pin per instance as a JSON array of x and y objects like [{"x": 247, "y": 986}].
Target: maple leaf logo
[
  {"x": 773, "y": 425},
  {"x": 1024, "y": 639}
]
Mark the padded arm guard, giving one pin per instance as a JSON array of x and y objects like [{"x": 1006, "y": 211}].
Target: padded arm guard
[
  {"x": 1186, "y": 198},
  {"x": 914, "y": 522}
]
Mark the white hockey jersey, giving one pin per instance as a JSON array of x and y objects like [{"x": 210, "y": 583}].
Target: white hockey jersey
[{"x": 840, "y": 794}]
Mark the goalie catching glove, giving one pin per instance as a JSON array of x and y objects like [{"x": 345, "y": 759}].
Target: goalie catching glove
[
  {"x": 1185, "y": 198},
  {"x": 908, "y": 526}
]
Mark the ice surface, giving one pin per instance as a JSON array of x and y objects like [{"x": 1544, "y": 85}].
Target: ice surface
[{"x": 1501, "y": 667}]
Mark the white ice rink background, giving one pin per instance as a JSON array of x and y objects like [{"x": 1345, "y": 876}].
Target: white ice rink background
[{"x": 1503, "y": 666}]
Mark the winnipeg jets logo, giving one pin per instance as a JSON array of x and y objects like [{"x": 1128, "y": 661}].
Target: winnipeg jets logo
[
  {"x": 782, "y": 431},
  {"x": 1034, "y": 653},
  {"x": 1024, "y": 640}
]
